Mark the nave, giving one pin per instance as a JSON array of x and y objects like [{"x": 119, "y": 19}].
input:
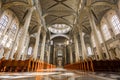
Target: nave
[
  {"x": 59, "y": 74},
  {"x": 57, "y": 39}
]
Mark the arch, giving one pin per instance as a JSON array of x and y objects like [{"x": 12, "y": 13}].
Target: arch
[
  {"x": 108, "y": 14},
  {"x": 61, "y": 35},
  {"x": 103, "y": 3},
  {"x": 17, "y": 3}
]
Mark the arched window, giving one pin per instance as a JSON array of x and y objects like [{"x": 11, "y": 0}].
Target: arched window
[
  {"x": 11, "y": 33},
  {"x": 13, "y": 30},
  {"x": 106, "y": 32},
  {"x": 9, "y": 43},
  {"x": 89, "y": 50},
  {"x": 3, "y": 23},
  {"x": 116, "y": 24},
  {"x": 8, "y": 39},
  {"x": 30, "y": 51},
  {"x": 4, "y": 40}
]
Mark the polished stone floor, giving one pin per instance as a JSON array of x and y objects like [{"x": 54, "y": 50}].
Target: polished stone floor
[{"x": 59, "y": 74}]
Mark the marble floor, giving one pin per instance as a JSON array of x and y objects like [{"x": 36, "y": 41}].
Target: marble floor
[{"x": 59, "y": 74}]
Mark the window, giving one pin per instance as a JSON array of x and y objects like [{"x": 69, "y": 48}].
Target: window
[
  {"x": 12, "y": 31},
  {"x": 93, "y": 41},
  {"x": 4, "y": 40},
  {"x": 99, "y": 36},
  {"x": 30, "y": 51},
  {"x": 106, "y": 32},
  {"x": 60, "y": 53},
  {"x": 89, "y": 50},
  {"x": 116, "y": 24},
  {"x": 11, "y": 34},
  {"x": 9, "y": 43},
  {"x": 3, "y": 23}
]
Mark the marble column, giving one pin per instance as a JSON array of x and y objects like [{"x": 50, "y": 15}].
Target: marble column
[
  {"x": 95, "y": 55},
  {"x": 76, "y": 48},
  {"x": 25, "y": 26},
  {"x": 24, "y": 56},
  {"x": 71, "y": 57},
  {"x": 49, "y": 50},
  {"x": 93, "y": 27},
  {"x": 43, "y": 47},
  {"x": 65, "y": 55},
  {"x": 84, "y": 51},
  {"x": 35, "y": 51},
  {"x": 54, "y": 52}
]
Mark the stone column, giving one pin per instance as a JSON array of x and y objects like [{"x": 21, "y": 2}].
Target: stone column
[
  {"x": 76, "y": 48},
  {"x": 95, "y": 55},
  {"x": 25, "y": 26},
  {"x": 84, "y": 51},
  {"x": 65, "y": 54},
  {"x": 43, "y": 47},
  {"x": 49, "y": 53},
  {"x": 93, "y": 27},
  {"x": 35, "y": 51},
  {"x": 24, "y": 57},
  {"x": 54, "y": 52},
  {"x": 71, "y": 57}
]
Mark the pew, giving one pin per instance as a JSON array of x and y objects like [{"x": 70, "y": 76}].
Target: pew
[
  {"x": 96, "y": 65},
  {"x": 23, "y": 65}
]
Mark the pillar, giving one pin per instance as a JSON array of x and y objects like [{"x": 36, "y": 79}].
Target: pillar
[
  {"x": 54, "y": 52},
  {"x": 71, "y": 57},
  {"x": 43, "y": 47},
  {"x": 93, "y": 27},
  {"x": 95, "y": 55},
  {"x": 76, "y": 48},
  {"x": 49, "y": 50},
  {"x": 65, "y": 55},
  {"x": 35, "y": 51},
  {"x": 84, "y": 51},
  {"x": 24, "y": 56},
  {"x": 25, "y": 26}
]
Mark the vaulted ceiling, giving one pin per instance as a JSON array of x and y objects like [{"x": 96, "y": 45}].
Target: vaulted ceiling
[
  {"x": 59, "y": 11},
  {"x": 72, "y": 13}
]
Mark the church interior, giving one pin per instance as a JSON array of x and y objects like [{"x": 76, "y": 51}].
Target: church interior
[{"x": 59, "y": 39}]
